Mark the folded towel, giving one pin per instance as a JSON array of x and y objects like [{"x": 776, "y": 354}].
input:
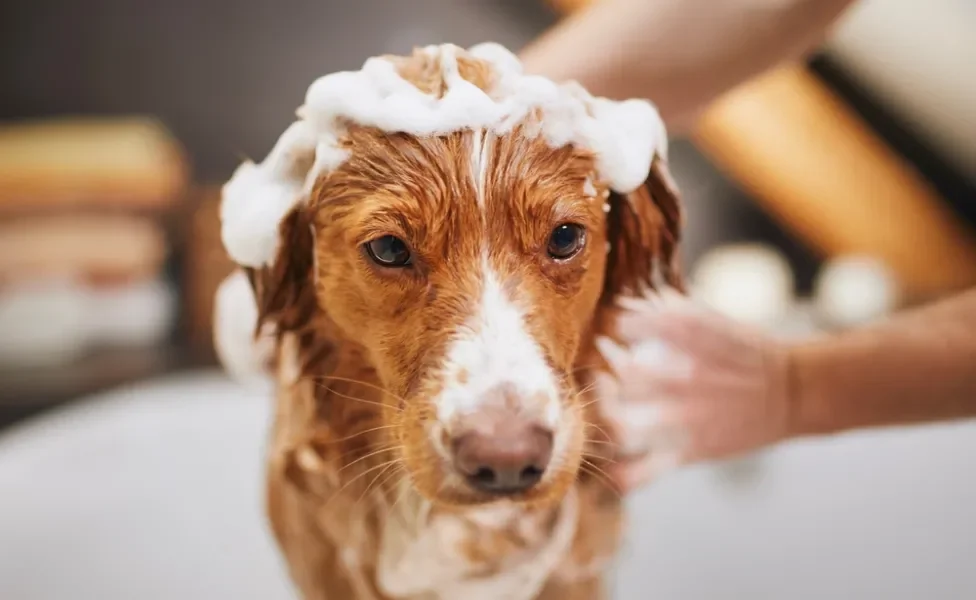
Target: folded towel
[{"x": 128, "y": 163}]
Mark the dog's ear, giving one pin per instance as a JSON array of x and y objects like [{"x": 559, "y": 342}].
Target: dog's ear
[
  {"x": 284, "y": 290},
  {"x": 644, "y": 228}
]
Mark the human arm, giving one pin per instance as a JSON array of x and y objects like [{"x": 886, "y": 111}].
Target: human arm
[
  {"x": 737, "y": 389},
  {"x": 917, "y": 367},
  {"x": 679, "y": 53}
]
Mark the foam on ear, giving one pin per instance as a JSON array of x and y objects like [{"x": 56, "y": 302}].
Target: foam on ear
[
  {"x": 624, "y": 137},
  {"x": 258, "y": 196},
  {"x": 243, "y": 355}
]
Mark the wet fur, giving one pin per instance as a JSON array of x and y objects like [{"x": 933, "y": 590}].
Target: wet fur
[{"x": 348, "y": 454}]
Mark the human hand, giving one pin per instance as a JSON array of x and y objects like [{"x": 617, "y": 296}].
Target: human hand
[{"x": 689, "y": 385}]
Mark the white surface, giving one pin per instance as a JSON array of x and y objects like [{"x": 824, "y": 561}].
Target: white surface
[
  {"x": 623, "y": 136},
  {"x": 155, "y": 492},
  {"x": 148, "y": 493}
]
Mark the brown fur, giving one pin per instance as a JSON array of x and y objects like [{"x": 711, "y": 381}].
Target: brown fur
[{"x": 357, "y": 342}]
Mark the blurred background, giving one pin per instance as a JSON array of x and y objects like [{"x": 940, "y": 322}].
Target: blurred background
[
  {"x": 820, "y": 196},
  {"x": 121, "y": 118}
]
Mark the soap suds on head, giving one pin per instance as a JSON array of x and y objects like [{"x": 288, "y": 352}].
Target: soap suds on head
[
  {"x": 588, "y": 188},
  {"x": 624, "y": 137},
  {"x": 258, "y": 196},
  {"x": 244, "y": 356}
]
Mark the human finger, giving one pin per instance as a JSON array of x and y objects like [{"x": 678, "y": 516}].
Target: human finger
[
  {"x": 705, "y": 336},
  {"x": 631, "y": 475},
  {"x": 651, "y": 355},
  {"x": 644, "y": 373},
  {"x": 637, "y": 428}
]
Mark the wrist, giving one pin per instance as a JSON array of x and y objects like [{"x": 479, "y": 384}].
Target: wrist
[
  {"x": 807, "y": 385},
  {"x": 781, "y": 390}
]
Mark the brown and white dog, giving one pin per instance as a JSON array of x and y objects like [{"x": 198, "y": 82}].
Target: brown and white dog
[{"x": 432, "y": 297}]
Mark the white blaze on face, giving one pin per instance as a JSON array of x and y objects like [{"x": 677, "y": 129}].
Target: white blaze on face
[
  {"x": 494, "y": 349},
  {"x": 480, "y": 150}
]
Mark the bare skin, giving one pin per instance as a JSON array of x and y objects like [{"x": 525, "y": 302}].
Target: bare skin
[
  {"x": 737, "y": 389},
  {"x": 680, "y": 53}
]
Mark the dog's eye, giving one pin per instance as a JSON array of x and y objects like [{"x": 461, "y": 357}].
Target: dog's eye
[
  {"x": 566, "y": 240},
  {"x": 389, "y": 251}
]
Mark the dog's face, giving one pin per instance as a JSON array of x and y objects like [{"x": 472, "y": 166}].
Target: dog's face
[
  {"x": 471, "y": 270},
  {"x": 469, "y": 267}
]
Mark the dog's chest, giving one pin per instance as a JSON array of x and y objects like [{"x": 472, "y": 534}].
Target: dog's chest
[{"x": 485, "y": 555}]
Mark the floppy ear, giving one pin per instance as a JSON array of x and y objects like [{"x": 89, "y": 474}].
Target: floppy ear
[
  {"x": 644, "y": 228},
  {"x": 284, "y": 290},
  {"x": 254, "y": 306}
]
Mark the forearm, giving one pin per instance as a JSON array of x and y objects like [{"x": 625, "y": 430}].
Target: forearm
[
  {"x": 918, "y": 367},
  {"x": 679, "y": 53}
]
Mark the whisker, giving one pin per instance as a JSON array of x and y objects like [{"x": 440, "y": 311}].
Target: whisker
[
  {"x": 595, "y": 467},
  {"x": 602, "y": 477},
  {"x": 590, "y": 402},
  {"x": 409, "y": 488},
  {"x": 372, "y": 483},
  {"x": 358, "y": 433},
  {"x": 566, "y": 377},
  {"x": 598, "y": 457},
  {"x": 604, "y": 442},
  {"x": 582, "y": 407},
  {"x": 363, "y": 400},
  {"x": 585, "y": 367},
  {"x": 592, "y": 464},
  {"x": 406, "y": 490},
  {"x": 364, "y": 457},
  {"x": 599, "y": 429},
  {"x": 400, "y": 470},
  {"x": 602, "y": 446},
  {"x": 361, "y": 382},
  {"x": 357, "y": 450},
  {"x": 586, "y": 388},
  {"x": 354, "y": 479}
]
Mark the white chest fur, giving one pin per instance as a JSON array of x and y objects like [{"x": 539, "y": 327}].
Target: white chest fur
[{"x": 427, "y": 561}]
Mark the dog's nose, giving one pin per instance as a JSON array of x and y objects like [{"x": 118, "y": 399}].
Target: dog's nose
[{"x": 502, "y": 455}]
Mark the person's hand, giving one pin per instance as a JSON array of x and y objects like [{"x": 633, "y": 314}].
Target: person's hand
[{"x": 689, "y": 386}]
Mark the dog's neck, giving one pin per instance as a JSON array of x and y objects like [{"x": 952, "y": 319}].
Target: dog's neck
[
  {"x": 344, "y": 462},
  {"x": 478, "y": 553}
]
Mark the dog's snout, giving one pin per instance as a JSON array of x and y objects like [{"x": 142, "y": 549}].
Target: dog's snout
[{"x": 502, "y": 453}]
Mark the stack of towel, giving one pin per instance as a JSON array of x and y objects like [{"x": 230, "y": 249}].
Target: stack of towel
[{"x": 83, "y": 237}]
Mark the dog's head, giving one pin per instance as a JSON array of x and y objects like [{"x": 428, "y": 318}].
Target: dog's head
[{"x": 469, "y": 260}]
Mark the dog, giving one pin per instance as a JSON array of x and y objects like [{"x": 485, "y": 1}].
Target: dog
[{"x": 431, "y": 251}]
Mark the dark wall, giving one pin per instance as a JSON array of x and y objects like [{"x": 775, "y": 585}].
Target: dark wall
[{"x": 226, "y": 76}]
